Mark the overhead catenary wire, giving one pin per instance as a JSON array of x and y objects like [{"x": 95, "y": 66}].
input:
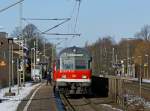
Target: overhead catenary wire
[
  {"x": 65, "y": 34},
  {"x": 71, "y": 16},
  {"x": 44, "y": 32},
  {"x": 45, "y": 19},
  {"x": 72, "y": 13},
  {"x": 4, "y": 9},
  {"x": 76, "y": 19},
  {"x": 56, "y": 25},
  {"x": 62, "y": 34},
  {"x": 31, "y": 23},
  {"x": 64, "y": 21},
  {"x": 58, "y": 38},
  {"x": 73, "y": 10}
]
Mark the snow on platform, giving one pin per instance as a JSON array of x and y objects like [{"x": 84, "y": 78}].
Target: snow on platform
[
  {"x": 146, "y": 80},
  {"x": 143, "y": 80},
  {"x": 10, "y": 103}
]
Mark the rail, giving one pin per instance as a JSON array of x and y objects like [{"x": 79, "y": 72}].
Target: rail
[
  {"x": 66, "y": 103},
  {"x": 69, "y": 107},
  {"x": 91, "y": 104}
]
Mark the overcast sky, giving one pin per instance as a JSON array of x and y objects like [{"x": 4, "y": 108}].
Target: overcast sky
[{"x": 97, "y": 18}]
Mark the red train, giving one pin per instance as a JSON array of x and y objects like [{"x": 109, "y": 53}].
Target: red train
[{"x": 72, "y": 71}]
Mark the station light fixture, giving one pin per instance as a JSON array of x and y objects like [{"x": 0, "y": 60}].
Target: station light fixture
[{"x": 2, "y": 63}]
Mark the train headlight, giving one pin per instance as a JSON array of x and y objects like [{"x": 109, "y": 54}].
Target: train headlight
[
  {"x": 74, "y": 76},
  {"x": 84, "y": 76},
  {"x": 63, "y": 77}
]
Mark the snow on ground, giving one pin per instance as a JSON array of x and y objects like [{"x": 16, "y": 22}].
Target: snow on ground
[
  {"x": 132, "y": 100},
  {"x": 111, "y": 108},
  {"x": 143, "y": 80},
  {"x": 11, "y": 103},
  {"x": 146, "y": 80},
  {"x": 136, "y": 100}
]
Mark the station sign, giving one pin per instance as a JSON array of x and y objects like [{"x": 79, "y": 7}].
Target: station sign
[{"x": 72, "y": 55}]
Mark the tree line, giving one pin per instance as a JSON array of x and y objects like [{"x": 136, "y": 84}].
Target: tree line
[{"x": 105, "y": 52}]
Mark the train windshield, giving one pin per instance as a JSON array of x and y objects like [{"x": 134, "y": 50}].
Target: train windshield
[
  {"x": 67, "y": 64},
  {"x": 74, "y": 63},
  {"x": 81, "y": 63}
]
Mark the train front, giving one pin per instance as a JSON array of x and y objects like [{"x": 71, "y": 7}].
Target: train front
[{"x": 73, "y": 71}]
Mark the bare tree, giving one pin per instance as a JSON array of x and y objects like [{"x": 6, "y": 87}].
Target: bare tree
[
  {"x": 144, "y": 33},
  {"x": 101, "y": 52},
  {"x": 16, "y": 33},
  {"x": 30, "y": 31}
]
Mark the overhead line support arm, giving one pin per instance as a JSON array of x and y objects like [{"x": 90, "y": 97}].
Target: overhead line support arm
[{"x": 4, "y": 9}]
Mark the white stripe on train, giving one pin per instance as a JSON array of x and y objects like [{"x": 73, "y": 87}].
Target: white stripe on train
[{"x": 73, "y": 80}]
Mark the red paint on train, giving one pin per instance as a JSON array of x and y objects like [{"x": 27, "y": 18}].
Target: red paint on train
[{"x": 72, "y": 74}]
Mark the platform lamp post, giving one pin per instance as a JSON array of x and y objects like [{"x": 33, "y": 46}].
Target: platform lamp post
[
  {"x": 140, "y": 75},
  {"x": 133, "y": 66},
  {"x": 32, "y": 57},
  {"x": 10, "y": 43},
  {"x": 146, "y": 55},
  {"x": 12, "y": 64}
]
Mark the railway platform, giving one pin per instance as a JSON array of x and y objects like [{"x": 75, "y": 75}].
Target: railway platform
[{"x": 40, "y": 99}]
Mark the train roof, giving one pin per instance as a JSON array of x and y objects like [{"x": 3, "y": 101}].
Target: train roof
[{"x": 75, "y": 50}]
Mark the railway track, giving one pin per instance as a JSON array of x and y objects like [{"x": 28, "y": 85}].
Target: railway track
[
  {"x": 133, "y": 88},
  {"x": 92, "y": 104},
  {"x": 67, "y": 104},
  {"x": 85, "y": 104},
  {"x": 79, "y": 104},
  {"x": 143, "y": 85}
]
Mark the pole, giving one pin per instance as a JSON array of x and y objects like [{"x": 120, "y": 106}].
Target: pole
[
  {"x": 31, "y": 59},
  {"x": 44, "y": 46},
  {"x": 36, "y": 49},
  {"x": 147, "y": 65},
  {"x": 128, "y": 70},
  {"x": 113, "y": 56},
  {"x": 34, "y": 54},
  {"x": 21, "y": 48},
  {"x": 18, "y": 78},
  {"x": 116, "y": 58},
  {"x": 133, "y": 67},
  {"x": 144, "y": 75},
  {"x": 23, "y": 42},
  {"x": 140, "y": 76},
  {"x": 12, "y": 67},
  {"x": 9, "y": 67},
  {"x": 44, "y": 50}
]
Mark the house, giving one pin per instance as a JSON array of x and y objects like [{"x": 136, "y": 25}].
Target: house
[{"x": 6, "y": 51}]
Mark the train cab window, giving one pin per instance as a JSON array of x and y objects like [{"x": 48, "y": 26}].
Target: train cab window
[
  {"x": 67, "y": 64},
  {"x": 81, "y": 64}
]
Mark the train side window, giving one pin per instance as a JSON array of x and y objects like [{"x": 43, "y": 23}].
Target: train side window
[
  {"x": 58, "y": 64},
  {"x": 89, "y": 64}
]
